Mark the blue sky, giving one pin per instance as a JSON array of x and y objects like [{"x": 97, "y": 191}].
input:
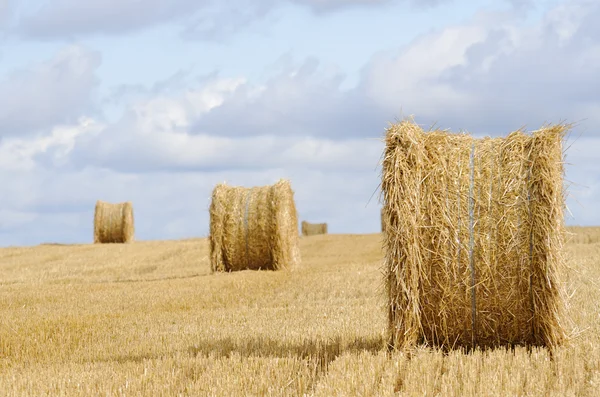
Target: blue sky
[{"x": 156, "y": 101}]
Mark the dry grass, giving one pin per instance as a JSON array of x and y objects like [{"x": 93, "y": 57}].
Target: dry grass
[{"x": 148, "y": 318}]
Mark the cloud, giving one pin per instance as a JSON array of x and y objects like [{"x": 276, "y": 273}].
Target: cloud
[
  {"x": 496, "y": 79},
  {"x": 52, "y": 92},
  {"x": 157, "y": 134},
  {"x": 324, "y": 6},
  {"x": 21, "y": 154},
  {"x": 73, "y": 18},
  {"x": 204, "y": 19}
]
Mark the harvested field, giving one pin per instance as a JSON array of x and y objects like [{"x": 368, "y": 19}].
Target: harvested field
[
  {"x": 583, "y": 235},
  {"x": 149, "y": 318}
]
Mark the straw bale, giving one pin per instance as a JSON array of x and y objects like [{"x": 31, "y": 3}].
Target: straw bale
[
  {"x": 311, "y": 229},
  {"x": 253, "y": 228},
  {"x": 474, "y": 237},
  {"x": 113, "y": 223}
]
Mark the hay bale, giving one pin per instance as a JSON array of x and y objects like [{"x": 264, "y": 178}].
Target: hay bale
[
  {"x": 311, "y": 229},
  {"x": 382, "y": 222},
  {"x": 475, "y": 231},
  {"x": 253, "y": 228},
  {"x": 113, "y": 223}
]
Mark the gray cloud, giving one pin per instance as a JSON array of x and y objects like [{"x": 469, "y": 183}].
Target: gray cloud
[
  {"x": 323, "y": 6},
  {"x": 121, "y": 147},
  {"x": 202, "y": 19},
  {"x": 73, "y": 18},
  {"x": 49, "y": 93}
]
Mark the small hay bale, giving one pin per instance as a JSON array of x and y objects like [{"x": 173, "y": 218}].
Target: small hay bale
[
  {"x": 474, "y": 238},
  {"x": 253, "y": 228},
  {"x": 113, "y": 223},
  {"x": 311, "y": 229}
]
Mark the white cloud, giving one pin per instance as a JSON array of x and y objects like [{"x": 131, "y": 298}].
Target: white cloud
[{"x": 19, "y": 154}]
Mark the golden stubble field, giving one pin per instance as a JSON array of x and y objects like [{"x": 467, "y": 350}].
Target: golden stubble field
[{"x": 148, "y": 318}]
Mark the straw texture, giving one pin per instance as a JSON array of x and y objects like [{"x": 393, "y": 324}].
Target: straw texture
[
  {"x": 113, "y": 223},
  {"x": 311, "y": 229},
  {"x": 474, "y": 231},
  {"x": 253, "y": 228}
]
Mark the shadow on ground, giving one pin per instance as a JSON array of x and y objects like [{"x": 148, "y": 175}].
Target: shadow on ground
[{"x": 320, "y": 351}]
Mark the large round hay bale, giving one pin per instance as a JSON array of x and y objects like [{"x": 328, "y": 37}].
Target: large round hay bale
[
  {"x": 253, "y": 228},
  {"x": 474, "y": 235},
  {"x": 311, "y": 229},
  {"x": 113, "y": 223}
]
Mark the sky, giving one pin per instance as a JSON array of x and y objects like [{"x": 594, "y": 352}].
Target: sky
[{"x": 157, "y": 101}]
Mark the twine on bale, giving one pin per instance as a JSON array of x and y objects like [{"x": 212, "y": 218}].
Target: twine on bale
[
  {"x": 246, "y": 227},
  {"x": 253, "y": 228},
  {"x": 507, "y": 217},
  {"x": 472, "y": 244}
]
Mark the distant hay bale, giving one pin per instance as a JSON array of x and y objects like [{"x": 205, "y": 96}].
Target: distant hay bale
[
  {"x": 113, "y": 223},
  {"x": 311, "y": 229},
  {"x": 253, "y": 228},
  {"x": 474, "y": 241}
]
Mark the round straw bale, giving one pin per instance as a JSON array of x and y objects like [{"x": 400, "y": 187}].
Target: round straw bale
[
  {"x": 474, "y": 238},
  {"x": 311, "y": 229},
  {"x": 113, "y": 223},
  {"x": 253, "y": 228}
]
